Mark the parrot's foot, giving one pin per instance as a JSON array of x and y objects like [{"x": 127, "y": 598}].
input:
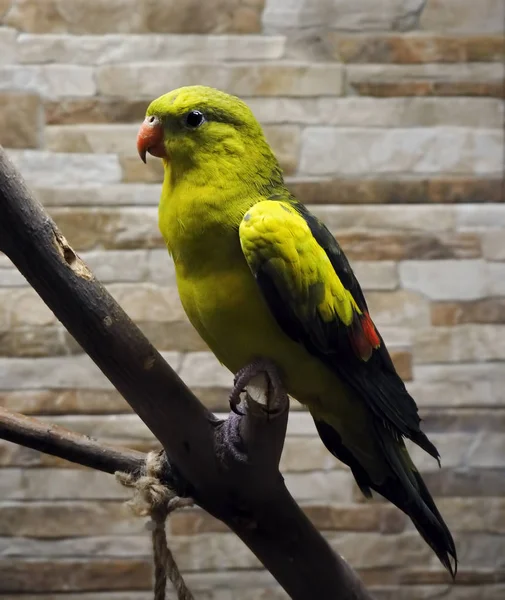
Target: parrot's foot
[{"x": 262, "y": 382}]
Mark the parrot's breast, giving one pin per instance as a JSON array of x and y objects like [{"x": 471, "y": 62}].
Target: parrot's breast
[{"x": 225, "y": 305}]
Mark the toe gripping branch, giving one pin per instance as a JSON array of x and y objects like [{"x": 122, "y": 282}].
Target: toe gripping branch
[{"x": 264, "y": 388}]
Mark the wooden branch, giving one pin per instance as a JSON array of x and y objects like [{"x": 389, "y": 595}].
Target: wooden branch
[
  {"x": 75, "y": 447},
  {"x": 222, "y": 463}
]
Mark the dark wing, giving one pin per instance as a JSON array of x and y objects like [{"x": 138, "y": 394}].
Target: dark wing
[{"x": 314, "y": 295}]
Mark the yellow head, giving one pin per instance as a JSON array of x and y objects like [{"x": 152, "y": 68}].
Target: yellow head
[{"x": 208, "y": 136}]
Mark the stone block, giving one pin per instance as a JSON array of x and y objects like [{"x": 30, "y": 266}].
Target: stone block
[
  {"x": 23, "y": 307},
  {"x": 242, "y": 79},
  {"x": 285, "y": 143},
  {"x": 101, "y": 139},
  {"x": 488, "y": 451},
  {"x": 360, "y": 15},
  {"x": 398, "y": 309},
  {"x": 68, "y": 519},
  {"x": 402, "y": 360},
  {"x": 356, "y": 151},
  {"x": 462, "y": 343},
  {"x": 33, "y": 342},
  {"x": 64, "y": 402},
  {"x": 71, "y": 111},
  {"x": 8, "y": 49},
  {"x": 379, "y": 112},
  {"x": 109, "y": 228},
  {"x": 203, "y": 369},
  {"x": 335, "y": 486},
  {"x": 487, "y": 310},
  {"x": 380, "y": 246},
  {"x": 135, "y": 171},
  {"x": 456, "y": 394},
  {"x": 459, "y": 79},
  {"x": 127, "y": 16},
  {"x": 400, "y": 190},
  {"x": 305, "y": 454},
  {"x": 59, "y": 484},
  {"x": 464, "y": 16},
  {"x": 100, "y": 195},
  {"x": 149, "y": 302},
  {"x": 412, "y": 219},
  {"x": 414, "y": 48},
  {"x": 452, "y": 279},
  {"x": 77, "y": 575},
  {"x": 120, "y": 48},
  {"x": 480, "y": 217},
  {"x": 493, "y": 245},
  {"x": 50, "y": 81},
  {"x": 373, "y": 550},
  {"x": 47, "y": 169},
  {"x": 375, "y": 275}
]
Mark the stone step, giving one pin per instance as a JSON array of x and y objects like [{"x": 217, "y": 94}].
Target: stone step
[
  {"x": 484, "y": 16},
  {"x": 414, "y": 47},
  {"x": 130, "y": 16},
  {"x": 403, "y": 189},
  {"x": 400, "y": 48},
  {"x": 116, "y": 48},
  {"x": 459, "y": 79},
  {"x": 332, "y": 150},
  {"x": 39, "y": 520}
]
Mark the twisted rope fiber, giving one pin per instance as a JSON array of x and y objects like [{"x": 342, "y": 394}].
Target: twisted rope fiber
[{"x": 154, "y": 499}]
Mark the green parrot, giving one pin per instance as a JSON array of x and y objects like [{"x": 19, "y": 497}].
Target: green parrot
[{"x": 265, "y": 283}]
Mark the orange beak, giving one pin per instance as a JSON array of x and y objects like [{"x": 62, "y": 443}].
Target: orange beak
[{"x": 150, "y": 138}]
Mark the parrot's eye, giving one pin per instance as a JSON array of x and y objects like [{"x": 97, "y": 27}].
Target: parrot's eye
[{"x": 194, "y": 119}]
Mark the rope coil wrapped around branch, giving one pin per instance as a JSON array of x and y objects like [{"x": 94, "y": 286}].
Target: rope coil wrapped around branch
[{"x": 154, "y": 499}]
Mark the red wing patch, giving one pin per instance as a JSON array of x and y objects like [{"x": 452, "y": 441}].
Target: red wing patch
[{"x": 363, "y": 336}]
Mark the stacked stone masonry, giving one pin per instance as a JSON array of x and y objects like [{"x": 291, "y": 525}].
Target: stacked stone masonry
[{"x": 387, "y": 118}]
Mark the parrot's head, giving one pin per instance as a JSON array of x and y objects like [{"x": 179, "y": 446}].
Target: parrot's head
[{"x": 201, "y": 128}]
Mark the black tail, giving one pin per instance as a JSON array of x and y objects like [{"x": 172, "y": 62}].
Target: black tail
[{"x": 404, "y": 488}]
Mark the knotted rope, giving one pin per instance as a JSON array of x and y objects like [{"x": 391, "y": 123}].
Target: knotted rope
[{"x": 154, "y": 499}]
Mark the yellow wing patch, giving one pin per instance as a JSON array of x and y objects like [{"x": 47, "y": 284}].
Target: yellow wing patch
[{"x": 273, "y": 233}]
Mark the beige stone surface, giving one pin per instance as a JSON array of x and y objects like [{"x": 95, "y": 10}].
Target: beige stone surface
[
  {"x": 81, "y": 16},
  {"x": 399, "y": 309},
  {"x": 270, "y": 79},
  {"x": 50, "y": 81},
  {"x": 493, "y": 245},
  {"x": 464, "y": 343},
  {"x": 118, "y": 48},
  {"x": 464, "y": 16},
  {"x": 8, "y": 50},
  {"x": 446, "y": 73},
  {"x": 451, "y": 280},
  {"x": 380, "y": 112},
  {"x": 404, "y": 218},
  {"x": 356, "y": 151},
  {"x": 414, "y": 48},
  {"x": 99, "y": 194},
  {"x": 58, "y": 169},
  {"x": 356, "y": 16},
  {"x": 21, "y": 120}
]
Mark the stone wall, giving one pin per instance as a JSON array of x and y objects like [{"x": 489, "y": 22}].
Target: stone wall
[{"x": 387, "y": 119}]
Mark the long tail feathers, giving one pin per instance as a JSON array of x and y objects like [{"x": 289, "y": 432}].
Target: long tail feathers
[{"x": 404, "y": 488}]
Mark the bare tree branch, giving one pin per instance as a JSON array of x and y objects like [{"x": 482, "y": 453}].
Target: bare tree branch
[
  {"x": 75, "y": 447},
  {"x": 220, "y": 463}
]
